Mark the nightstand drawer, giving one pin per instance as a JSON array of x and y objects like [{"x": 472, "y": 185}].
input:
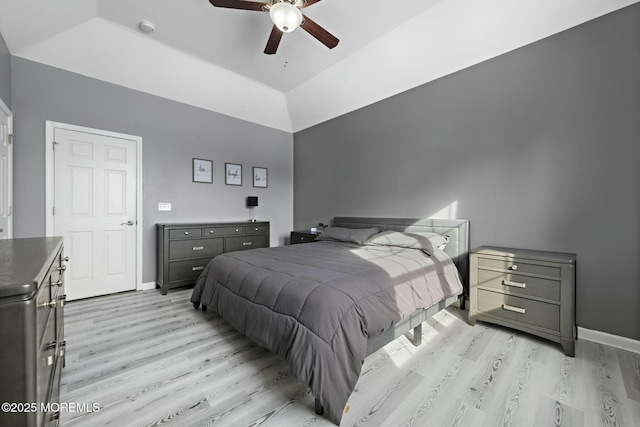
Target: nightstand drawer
[
  {"x": 524, "y": 285},
  {"x": 302, "y": 238},
  {"x": 241, "y": 243},
  {"x": 187, "y": 270},
  {"x": 185, "y": 232},
  {"x": 520, "y": 266},
  {"x": 524, "y": 310},
  {"x": 192, "y": 248}
]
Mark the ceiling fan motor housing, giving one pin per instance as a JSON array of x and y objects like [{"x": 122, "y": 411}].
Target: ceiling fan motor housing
[{"x": 285, "y": 15}]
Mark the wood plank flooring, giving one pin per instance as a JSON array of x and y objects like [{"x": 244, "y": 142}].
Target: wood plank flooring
[{"x": 149, "y": 360}]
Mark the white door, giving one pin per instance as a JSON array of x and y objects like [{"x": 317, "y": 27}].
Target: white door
[
  {"x": 94, "y": 209},
  {"x": 6, "y": 174}
]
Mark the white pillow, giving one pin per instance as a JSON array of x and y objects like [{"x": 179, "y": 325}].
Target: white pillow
[{"x": 424, "y": 240}]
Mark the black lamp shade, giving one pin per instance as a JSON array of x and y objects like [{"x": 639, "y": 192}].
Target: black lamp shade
[{"x": 252, "y": 201}]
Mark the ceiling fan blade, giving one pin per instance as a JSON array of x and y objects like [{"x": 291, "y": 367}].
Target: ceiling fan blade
[
  {"x": 274, "y": 41},
  {"x": 309, "y": 3},
  {"x": 239, "y": 4},
  {"x": 323, "y": 36}
]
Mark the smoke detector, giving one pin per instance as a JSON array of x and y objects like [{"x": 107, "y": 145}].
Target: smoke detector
[{"x": 146, "y": 27}]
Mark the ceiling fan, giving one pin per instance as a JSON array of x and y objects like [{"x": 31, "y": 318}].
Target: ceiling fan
[{"x": 286, "y": 17}]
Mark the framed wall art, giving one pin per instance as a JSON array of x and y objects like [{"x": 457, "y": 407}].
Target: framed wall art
[
  {"x": 260, "y": 177},
  {"x": 232, "y": 174},
  {"x": 202, "y": 171}
]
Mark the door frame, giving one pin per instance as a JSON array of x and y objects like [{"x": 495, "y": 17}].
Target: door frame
[
  {"x": 9, "y": 114},
  {"x": 50, "y": 173}
]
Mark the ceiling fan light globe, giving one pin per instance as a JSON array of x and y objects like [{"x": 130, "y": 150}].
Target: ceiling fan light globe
[{"x": 285, "y": 16}]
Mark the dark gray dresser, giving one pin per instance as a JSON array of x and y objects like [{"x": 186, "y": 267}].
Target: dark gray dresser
[
  {"x": 532, "y": 291},
  {"x": 32, "y": 302},
  {"x": 184, "y": 249}
]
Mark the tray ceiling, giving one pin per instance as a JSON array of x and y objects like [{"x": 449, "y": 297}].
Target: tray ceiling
[{"x": 212, "y": 57}]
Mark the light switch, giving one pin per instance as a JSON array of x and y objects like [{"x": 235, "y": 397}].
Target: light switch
[{"x": 164, "y": 206}]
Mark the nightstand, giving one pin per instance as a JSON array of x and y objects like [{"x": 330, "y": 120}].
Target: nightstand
[
  {"x": 303, "y": 236},
  {"x": 531, "y": 291}
]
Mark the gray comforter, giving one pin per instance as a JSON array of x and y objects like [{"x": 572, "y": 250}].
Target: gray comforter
[{"x": 316, "y": 304}]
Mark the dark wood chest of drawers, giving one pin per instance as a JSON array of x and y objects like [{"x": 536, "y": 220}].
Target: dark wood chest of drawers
[
  {"x": 185, "y": 249},
  {"x": 532, "y": 291},
  {"x": 32, "y": 302}
]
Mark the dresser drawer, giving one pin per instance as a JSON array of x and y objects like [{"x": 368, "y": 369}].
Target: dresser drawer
[
  {"x": 180, "y": 249},
  {"x": 245, "y": 242},
  {"x": 223, "y": 231},
  {"x": 46, "y": 358},
  {"x": 255, "y": 229},
  {"x": 181, "y": 233},
  {"x": 56, "y": 283},
  {"x": 524, "y": 285},
  {"x": 187, "y": 270},
  {"x": 524, "y": 310},
  {"x": 43, "y": 309},
  {"x": 519, "y": 266},
  {"x": 52, "y": 417}
]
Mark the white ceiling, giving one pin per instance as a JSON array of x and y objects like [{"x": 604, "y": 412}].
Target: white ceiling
[{"x": 212, "y": 57}]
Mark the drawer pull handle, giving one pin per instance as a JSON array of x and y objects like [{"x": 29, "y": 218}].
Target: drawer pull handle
[
  {"x": 514, "y": 284},
  {"x": 237, "y": 229},
  {"x": 513, "y": 267},
  {"x": 62, "y": 268},
  {"x": 186, "y": 233},
  {"x": 302, "y": 238},
  {"x": 58, "y": 283},
  {"x": 514, "y": 309},
  {"x": 210, "y": 231},
  {"x": 198, "y": 248},
  {"x": 51, "y": 304},
  {"x": 247, "y": 243},
  {"x": 201, "y": 267},
  {"x": 256, "y": 229}
]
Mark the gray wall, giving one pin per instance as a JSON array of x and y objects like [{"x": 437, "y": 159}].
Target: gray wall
[
  {"x": 5, "y": 73},
  {"x": 173, "y": 133},
  {"x": 539, "y": 148}
]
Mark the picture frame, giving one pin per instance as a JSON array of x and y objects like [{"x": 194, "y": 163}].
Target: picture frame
[
  {"x": 232, "y": 174},
  {"x": 260, "y": 176},
  {"x": 202, "y": 170}
]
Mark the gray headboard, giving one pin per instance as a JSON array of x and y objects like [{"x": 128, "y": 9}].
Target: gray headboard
[{"x": 456, "y": 229}]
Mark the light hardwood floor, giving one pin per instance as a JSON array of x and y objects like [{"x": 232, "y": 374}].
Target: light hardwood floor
[{"x": 149, "y": 359}]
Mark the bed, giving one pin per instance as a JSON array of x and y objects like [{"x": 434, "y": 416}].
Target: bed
[{"x": 324, "y": 306}]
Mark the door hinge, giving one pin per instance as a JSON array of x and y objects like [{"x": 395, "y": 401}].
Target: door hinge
[
  {"x": 11, "y": 136},
  {"x": 10, "y": 211},
  {"x": 54, "y": 210},
  {"x": 53, "y": 143}
]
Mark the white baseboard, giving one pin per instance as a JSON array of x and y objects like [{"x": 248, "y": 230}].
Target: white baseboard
[
  {"x": 147, "y": 286},
  {"x": 608, "y": 339}
]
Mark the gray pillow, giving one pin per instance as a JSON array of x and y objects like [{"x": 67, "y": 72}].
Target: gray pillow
[
  {"x": 414, "y": 240},
  {"x": 347, "y": 235}
]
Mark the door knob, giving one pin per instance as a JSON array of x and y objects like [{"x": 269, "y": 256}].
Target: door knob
[{"x": 127, "y": 223}]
